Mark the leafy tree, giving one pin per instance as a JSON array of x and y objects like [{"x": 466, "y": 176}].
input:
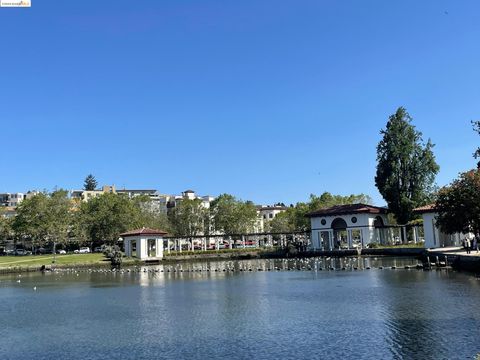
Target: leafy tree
[
  {"x": 188, "y": 218},
  {"x": 148, "y": 215},
  {"x": 31, "y": 219},
  {"x": 328, "y": 200},
  {"x": 59, "y": 217},
  {"x": 90, "y": 183},
  {"x": 284, "y": 222},
  {"x": 458, "y": 205},
  {"x": 5, "y": 226},
  {"x": 233, "y": 216},
  {"x": 246, "y": 217},
  {"x": 406, "y": 167},
  {"x": 44, "y": 218},
  {"x": 105, "y": 217}
]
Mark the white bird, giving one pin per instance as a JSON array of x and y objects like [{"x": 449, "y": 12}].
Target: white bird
[
  {"x": 34, "y": 288},
  {"x": 18, "y": 281}
]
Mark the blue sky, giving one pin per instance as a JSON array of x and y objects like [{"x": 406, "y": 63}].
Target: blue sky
[{"x": 267, "y": 100}]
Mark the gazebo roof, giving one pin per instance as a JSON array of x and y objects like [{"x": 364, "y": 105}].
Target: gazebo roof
[
  {"x": 349, "y": 209},
  {"x": 143, "y": 231},
  {"x": 425, "y": 209}
]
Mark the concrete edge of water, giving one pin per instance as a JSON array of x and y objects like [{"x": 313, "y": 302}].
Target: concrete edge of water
[{"x": 436, "y": 258}]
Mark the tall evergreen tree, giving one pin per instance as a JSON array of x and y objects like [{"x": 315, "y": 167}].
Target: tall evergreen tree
[
  {"x": 476, "y": 127},
  {"x": 90, "y": 183},
  {"x": 406, "y": 167}
]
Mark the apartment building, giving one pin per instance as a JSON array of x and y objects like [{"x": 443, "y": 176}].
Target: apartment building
[
  {"x": 11, "y": 199},
  {"x": 85, "y": 195}
]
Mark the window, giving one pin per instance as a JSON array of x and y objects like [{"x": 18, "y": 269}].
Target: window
[{"x": 270, "y": 216}]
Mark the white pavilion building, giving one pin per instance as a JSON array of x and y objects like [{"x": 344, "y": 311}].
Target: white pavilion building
[{"x": 348, "y": 226}]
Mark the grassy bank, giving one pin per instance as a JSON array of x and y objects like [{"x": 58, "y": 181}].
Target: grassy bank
[
  {"x": 403, "y": 246},
  {"x": 39, "y": 260}
]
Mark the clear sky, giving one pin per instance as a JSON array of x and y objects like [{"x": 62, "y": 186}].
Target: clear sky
[{"x": 269, "y": 100}]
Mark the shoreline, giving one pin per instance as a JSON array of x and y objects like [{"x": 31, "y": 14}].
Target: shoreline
[{"x": 439, "y": 257}]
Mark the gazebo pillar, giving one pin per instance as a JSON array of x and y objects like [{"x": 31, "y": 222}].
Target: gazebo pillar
[
  {"x": 128, "y": 248},
  {"x": 159, "y": 248}
]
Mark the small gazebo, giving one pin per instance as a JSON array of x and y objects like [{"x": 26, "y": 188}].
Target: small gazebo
[{"x": 144, "y": 243}]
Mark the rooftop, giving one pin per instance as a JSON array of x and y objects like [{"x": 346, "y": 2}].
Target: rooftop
[
  {"x": 425, "y": 209},
  {"x": 349, "y": 209},
  {"x": 143, "y": 231},
  {"x": 261, "y": 207}
]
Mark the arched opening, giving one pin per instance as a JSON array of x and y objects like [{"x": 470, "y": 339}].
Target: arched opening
[
  {"x": 378, "y": 222},
  {"x": 340, "y": 235}
]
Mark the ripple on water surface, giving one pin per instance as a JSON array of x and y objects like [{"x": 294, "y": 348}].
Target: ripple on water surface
[{"x": 261, "y": 309}]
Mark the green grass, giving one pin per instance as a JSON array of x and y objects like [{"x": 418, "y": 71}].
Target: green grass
[
  {"x": 403, "y": 246},
  {"x": 39, "y": 260}
]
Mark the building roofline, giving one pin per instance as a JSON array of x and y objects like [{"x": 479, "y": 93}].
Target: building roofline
[
  {"x": 143, "y": 231},
  {"x": 348, "y": 209}
]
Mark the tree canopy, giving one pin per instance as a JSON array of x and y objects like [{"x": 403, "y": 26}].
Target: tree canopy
[
  {"x": 90, "y": 183},
  {"x": 44, "y": 218},
  {"x": 458, "y": 204},
  {"x": 233, "y": 216},
  {"x": 105, "y": 217},
  {"x": 406, "y": 167},
  {"x": 5, "y": 225},
  {"x": 188, "y": 218}
]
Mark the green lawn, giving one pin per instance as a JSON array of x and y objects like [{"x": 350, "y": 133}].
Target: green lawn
[
  {"x": 39, "y": 260},
  {"x": 402, "y": 246}
]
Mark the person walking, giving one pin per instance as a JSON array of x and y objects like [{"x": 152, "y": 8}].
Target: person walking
[
  {"x": 475, "y": 244},
  {"x": 468, "y": 244}
]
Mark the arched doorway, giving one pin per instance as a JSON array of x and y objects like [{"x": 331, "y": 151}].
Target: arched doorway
[
  {"x": 340, "y": 236},
  {"x": 378, "y": 223}
]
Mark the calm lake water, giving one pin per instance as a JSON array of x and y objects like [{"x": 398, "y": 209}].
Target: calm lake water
[{"x": 187, "y": 312}]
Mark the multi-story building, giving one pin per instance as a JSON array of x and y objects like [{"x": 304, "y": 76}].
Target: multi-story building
[
  {"x": 11, "y": 199},
  {"x": 85, "y": 195},
  {"x": 191, "y": 195},
  {"x": 266, "y": 214},
  {"x": 157, "y": 200}
]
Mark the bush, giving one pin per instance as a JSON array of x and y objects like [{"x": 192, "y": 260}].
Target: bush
[{"x": 114, "y": 254}]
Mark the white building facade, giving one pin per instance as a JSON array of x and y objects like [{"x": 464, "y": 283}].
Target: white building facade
[
  {"x": 348, "y": 227},
  {"x": 434, "y": 237},
  {"x": 266, "y": 214},
  {"x": 11, "y": 199}
]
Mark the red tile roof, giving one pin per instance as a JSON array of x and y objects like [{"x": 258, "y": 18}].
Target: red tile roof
[
  {"x": 349, "y": 209},
  {"x": 425, "y": 209},
  {"x": 143, "y": 231}
]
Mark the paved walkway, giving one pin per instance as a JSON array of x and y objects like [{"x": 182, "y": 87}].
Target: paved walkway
[{"x": 453, "y": 251}]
